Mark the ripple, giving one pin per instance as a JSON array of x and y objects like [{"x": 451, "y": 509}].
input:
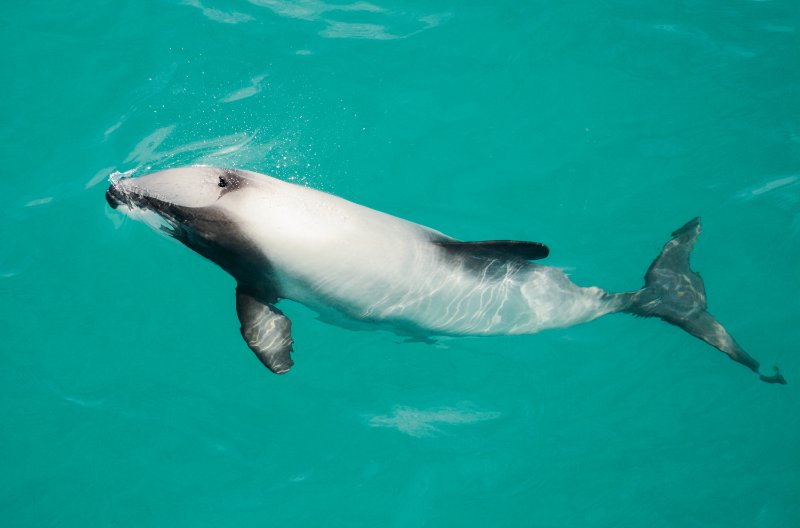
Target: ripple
[
  {"x": 99, "y": 177},
  {"x": 217, "y": 15},
  {"x": 377, "y": 29},
  {"x": 144, "y": 150},
  {"x": 422, "y": 423},
  {"x": 39, "y": 201},
  {"x": 281, "y": 154},
  {"x": 312, "y": 9},
  {"x": 248, "y": 91},
  {"x": 774, "y": 184},
  {"x": 767, "y": 187},
  {"x": 357, "y": 31}
]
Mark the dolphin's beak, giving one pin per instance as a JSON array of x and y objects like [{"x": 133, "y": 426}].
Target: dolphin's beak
[
  {"x": 113, "y": 196},
  {"x": 116, "y": 195},
  {"x": 158, "y": 214}
]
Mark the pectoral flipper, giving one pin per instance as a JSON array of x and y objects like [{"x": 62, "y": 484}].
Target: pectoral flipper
[{"x": 266, "y": 330}]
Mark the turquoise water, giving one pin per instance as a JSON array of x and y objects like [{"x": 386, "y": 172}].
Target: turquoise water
[{"x": 128, "y": 398}]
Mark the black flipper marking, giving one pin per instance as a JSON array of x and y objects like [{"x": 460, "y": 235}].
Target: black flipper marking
[{"x": 266, "y": 330}]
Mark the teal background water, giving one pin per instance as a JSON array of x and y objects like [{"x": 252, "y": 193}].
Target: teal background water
[{"x": 127, "y": 397}]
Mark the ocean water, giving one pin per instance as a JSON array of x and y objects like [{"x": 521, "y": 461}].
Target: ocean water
[{"x": 127, "y": 397}]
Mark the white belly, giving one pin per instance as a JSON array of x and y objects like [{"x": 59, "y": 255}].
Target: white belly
[{"x": 327, "y": 252}]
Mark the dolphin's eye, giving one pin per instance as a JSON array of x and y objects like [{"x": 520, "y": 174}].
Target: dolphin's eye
[{"x": 222, "y": 182}]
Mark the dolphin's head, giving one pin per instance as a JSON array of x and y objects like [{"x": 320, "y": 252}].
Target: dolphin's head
[{"x": 195, "y": 205}]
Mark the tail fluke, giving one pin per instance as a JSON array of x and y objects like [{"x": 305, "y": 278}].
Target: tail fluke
[{"x": 675, "y": 294}]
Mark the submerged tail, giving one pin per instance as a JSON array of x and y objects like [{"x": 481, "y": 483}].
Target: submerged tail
[{"x": 675, "y": 294}]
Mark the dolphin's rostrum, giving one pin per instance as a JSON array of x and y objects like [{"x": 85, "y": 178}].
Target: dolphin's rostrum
[{"x": 348, "y": 262}]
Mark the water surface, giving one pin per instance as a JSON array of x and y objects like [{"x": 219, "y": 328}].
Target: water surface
[{"x": 128, "y": 398}]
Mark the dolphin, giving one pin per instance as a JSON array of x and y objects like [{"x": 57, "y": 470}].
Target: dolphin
[{"x": 351, "y": 264}]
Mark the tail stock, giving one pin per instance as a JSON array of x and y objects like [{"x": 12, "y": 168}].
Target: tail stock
[{"x": 676, "y": 294}]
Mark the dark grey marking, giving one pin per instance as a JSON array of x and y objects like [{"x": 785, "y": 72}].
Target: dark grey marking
[
  {"x": 482, "y": 260},
  {"x": 676, "y": 294},
  {"x": 266, "y": 330},
  {"x": 209, "y": 232},
  {"x": 510, "y": 248},
  {"x": 774, "y": 378}
]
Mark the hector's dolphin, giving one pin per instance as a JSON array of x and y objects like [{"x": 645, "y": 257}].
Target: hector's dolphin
[{"x": 285, "y": 241}]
